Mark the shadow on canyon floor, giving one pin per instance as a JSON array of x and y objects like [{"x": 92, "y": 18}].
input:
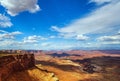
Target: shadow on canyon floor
[{"x": 62, "y": 67}]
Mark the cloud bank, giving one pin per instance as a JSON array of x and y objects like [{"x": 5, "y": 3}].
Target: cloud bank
[
  {"x": 8, "y": 35},
  {"x": 111, "y": 39},
  {"x": 33, "y": 39},
  {"x": 100, "y": 20}
]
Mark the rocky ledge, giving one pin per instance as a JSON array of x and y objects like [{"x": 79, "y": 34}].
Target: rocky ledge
[{"x": 15, "y": 63}]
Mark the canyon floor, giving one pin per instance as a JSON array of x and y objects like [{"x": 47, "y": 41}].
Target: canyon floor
[
  {"x": 81, "y": 65},
  {"x": 72, "y": 66}
]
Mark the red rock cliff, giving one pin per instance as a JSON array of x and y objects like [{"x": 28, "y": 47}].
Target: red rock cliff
[{"x": 14, "y": 63}]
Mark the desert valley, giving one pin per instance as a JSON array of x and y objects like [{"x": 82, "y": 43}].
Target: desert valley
[{"x": 71, "y": 65}]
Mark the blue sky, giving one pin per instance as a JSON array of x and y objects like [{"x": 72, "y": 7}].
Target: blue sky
[{"x": 59, "y": 24}]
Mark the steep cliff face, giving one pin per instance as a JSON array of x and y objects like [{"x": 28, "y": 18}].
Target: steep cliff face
[{"x": 15, "y": 63}]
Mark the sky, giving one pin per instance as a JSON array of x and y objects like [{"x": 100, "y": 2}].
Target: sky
[{"x": 59, "y": 24}]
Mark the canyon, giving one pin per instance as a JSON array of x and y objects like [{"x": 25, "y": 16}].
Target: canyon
[
  {"x": 72, "y": 65},
  {"x": 21, "y": 67},
  {"x": 15, "y": 63}
]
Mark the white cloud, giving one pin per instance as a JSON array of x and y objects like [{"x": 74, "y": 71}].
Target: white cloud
[
  {"x": 8, "y": 43},
  {"x": 5, "y": 21},
  {"x": 110, "y": 38},
  {"x": 11, "y": 44},
  {"x": 14, "y": 7},
  {"x": 33, "y": 39},
  {"x": 8, "y": 35},
  {"x": 82, "y": 37},
  {"x": 113, "y": 39},
  {"x": 69, "y": 35},
  {"x": 16, "y": 33},
  {"x": 79, "y": 37},
  {"x": 100, "y": 20}
]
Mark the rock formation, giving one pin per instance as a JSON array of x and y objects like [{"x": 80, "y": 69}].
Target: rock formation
[{"x": 15, "y": 63}]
